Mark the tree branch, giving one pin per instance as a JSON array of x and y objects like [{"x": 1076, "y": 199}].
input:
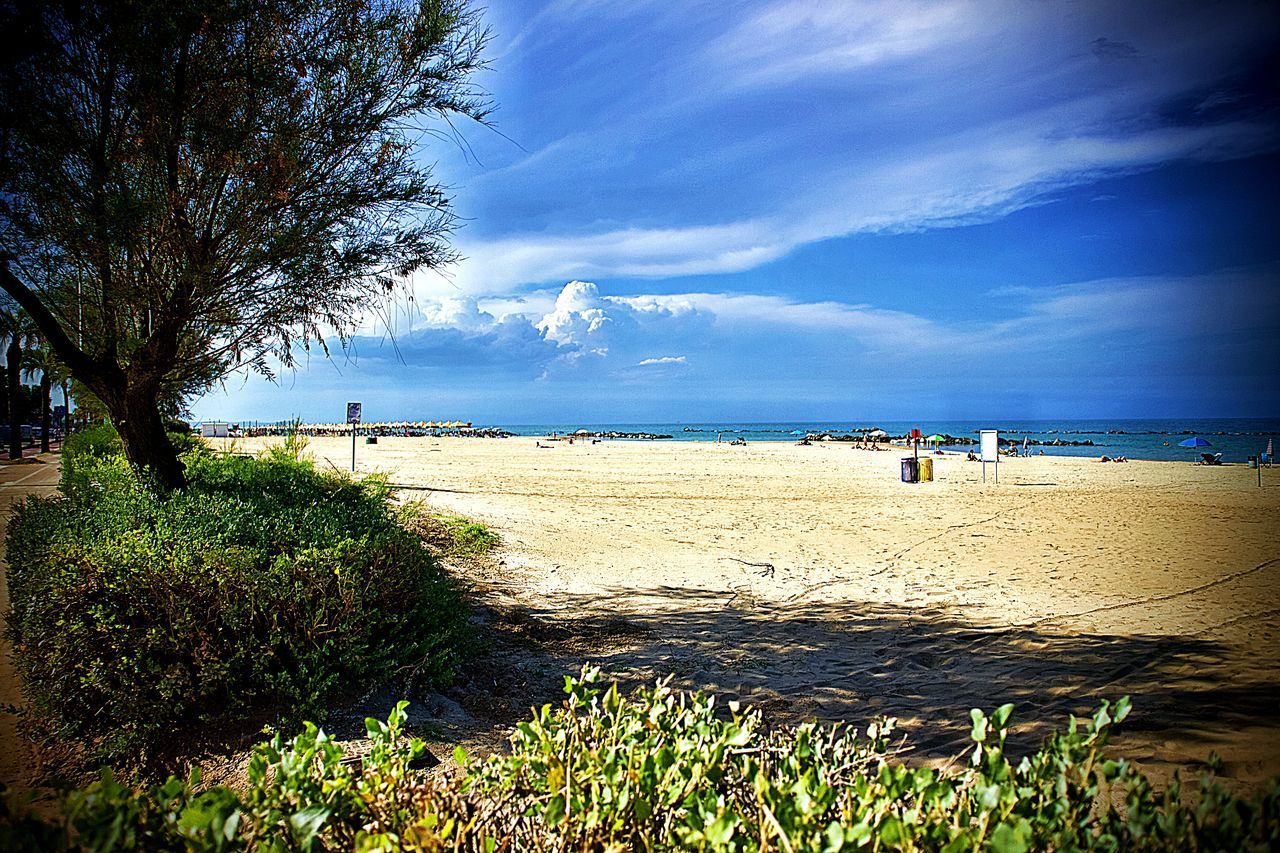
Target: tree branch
[{"x": 83, "y": 367}]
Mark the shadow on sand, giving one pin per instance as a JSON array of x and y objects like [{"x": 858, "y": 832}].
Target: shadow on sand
[{"x": 853, "y": 660}]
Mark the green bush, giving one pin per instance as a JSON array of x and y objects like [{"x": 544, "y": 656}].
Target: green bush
[
  {"x": 85, "y": 447},
  {"x": 264, "y": 588},
  {"x": 664, "y": 770},
  {"x": 95, "y": 443}
]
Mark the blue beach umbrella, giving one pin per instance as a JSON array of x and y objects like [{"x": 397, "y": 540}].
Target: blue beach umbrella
[{"x": 1195, "y": 441}]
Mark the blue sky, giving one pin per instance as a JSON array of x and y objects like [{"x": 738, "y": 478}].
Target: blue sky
[{"x": 836, "y": 211}]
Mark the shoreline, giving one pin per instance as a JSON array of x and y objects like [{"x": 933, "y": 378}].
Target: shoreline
[
  {"x": 1095, "y": 451},
  {"x": 1235, "y": 446}
]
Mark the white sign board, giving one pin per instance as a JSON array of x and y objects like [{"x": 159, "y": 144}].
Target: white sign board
[
  {"x": 212, "y": 429},
  {"x": 990, "y": 451},
  {"x": 353, "y": 413}
]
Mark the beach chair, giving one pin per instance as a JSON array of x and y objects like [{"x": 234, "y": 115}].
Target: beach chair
[{"x": 1210, "y": 458}]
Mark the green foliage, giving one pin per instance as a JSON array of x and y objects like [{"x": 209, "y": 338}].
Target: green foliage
[
  {"x": 265, "y": 587},
  {"x": 276, "y": 142},
  {"x": 96, "y": 443},
  {"x": 664, "y": 770},
  {"x": 293, "y": 448},
  {"x": 87, "y": 447},
  {"x": 452, "y": 535}
]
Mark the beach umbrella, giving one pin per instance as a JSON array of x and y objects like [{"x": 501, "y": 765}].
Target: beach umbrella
[
  {"x": 937, "y": 438},
  {"x": 1194, "y": 441}
]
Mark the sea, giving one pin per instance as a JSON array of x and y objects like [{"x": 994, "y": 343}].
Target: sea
[{"x": 1235, "y": 438}]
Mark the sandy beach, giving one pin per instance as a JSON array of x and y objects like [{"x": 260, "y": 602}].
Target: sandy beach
[{"x": 811, "y": 581}]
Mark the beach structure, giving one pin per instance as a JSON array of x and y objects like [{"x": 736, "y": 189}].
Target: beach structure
[{"x": 1196, "y": 442}]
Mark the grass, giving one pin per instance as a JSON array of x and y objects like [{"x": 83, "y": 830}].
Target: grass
[{"x": 448, "y": 534}]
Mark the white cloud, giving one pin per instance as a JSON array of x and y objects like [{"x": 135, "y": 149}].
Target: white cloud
[
  {"x": 459, "y": 312},
  {"x": 1140, "y": 332},
  {"x": 578, "y": 314},
  {"x": 862, "y": 118},
  {"x": 789, "y": 40},
  {"x": 582, "y": 322},
  {"x": 987, "y": 173},
  {"x": 498, "y": 266}
]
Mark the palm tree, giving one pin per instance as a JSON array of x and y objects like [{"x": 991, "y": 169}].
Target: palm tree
[
  {"x": 13, "y": 324},
  {"x": 18, "y": 328},
  {"x": 40, "y": 359}
]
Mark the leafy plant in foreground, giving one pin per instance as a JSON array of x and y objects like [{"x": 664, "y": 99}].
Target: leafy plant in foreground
[{"x": 666, "y": 770}]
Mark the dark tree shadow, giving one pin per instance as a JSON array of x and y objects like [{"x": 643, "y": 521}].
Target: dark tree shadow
[{"x": 853, "y": 660}]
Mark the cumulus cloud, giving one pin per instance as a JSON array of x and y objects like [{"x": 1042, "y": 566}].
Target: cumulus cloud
[
  {"x": 459, "y": 312},
  {"x": 1151, "y": 330},
  {"x": 586, "y": 327},
  {"x": 578, "y": 314}
]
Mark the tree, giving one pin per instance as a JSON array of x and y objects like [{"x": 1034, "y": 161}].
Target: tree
[
  {"x": 16, "y": 329},
  {"x": 189, "y": 188},
  {"x": 40, "y": 359}
]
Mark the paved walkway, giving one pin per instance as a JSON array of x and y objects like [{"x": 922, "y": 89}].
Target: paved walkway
[{"x": 35, "y": 475}]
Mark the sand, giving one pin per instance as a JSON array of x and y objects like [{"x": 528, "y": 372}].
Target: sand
[{"x": 811, "y": 581}]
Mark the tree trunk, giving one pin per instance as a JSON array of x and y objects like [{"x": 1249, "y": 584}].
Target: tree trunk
[
  {"x": 13, "y": 369},
  {"x": 146, "y": 444},
  {"x": 66, "y": 409},
  {"x": 46, "y": 417},
  {"x": 4, "y": 393}
]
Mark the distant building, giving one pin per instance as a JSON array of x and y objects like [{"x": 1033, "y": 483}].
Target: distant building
[{"x": 215, "y": 429}]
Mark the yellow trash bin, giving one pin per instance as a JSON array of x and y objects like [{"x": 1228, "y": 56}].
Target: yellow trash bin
[{"x": 926, "y": 469}]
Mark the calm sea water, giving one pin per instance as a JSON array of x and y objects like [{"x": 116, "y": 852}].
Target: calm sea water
[{"x": 1235, "y": 438}]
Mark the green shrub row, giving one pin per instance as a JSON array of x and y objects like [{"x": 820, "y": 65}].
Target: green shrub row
[
  {"x": 664, "y": 770},
  {"x": 265, "y": 588}
]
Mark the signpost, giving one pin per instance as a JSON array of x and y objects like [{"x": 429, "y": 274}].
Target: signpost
[
  {"x": 353, "y": 418},
  {"x": 989, "y": 443}
]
